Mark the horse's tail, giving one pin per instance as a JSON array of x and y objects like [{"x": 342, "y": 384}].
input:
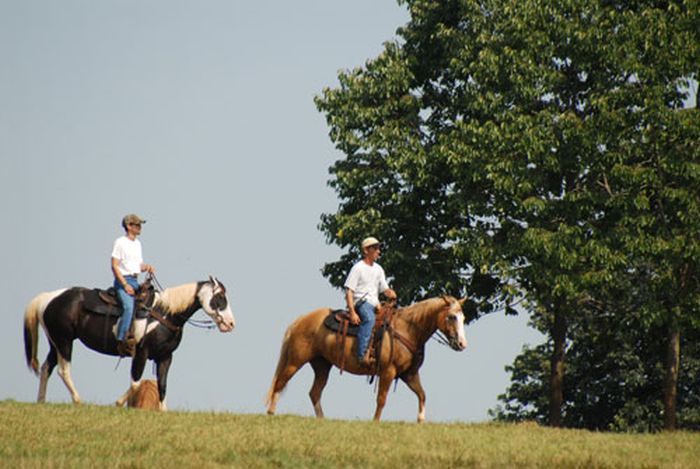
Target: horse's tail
[
  {"x": 31, "y": 332},
  {"x": 32, "y": 314},
  {"x": 281, "y": 364}
]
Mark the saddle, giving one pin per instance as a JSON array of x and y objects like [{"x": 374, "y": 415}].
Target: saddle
[
  {"x": 106, "y": 302},
  {"x": 339, "y": 321}
]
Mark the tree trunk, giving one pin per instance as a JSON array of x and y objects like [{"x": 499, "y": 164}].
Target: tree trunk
[
  {"x": 673, "y": 350},
  {"x": 556, "y": 397}
]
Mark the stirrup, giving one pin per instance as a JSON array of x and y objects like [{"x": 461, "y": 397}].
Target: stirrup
[
  {"x": 367, "y": 361},
  {"x": 126, "y": 348}
]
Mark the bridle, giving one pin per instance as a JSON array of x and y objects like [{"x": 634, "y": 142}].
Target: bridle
[
  {"x": 216, "y": 288},
  {"x": 439, "y": 336}
]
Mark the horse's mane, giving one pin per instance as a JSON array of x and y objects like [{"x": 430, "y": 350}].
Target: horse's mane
[
  {"x": 177, "y": 299},
  {"x": 423, "y": 306}
]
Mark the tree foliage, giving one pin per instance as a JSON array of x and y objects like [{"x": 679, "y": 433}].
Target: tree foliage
[
  {"x": 519, "y": 149},
  {"x": 613, "y": 380}
]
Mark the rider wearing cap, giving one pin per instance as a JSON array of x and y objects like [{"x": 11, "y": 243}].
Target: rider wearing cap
[
  {"x": 127, "y": 263},
  {"x": 365, "y": 282}
]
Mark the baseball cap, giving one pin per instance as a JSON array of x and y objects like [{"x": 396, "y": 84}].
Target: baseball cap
[
  {"x": 132, "y": 219},
  {"x": 371, "y": 241}
]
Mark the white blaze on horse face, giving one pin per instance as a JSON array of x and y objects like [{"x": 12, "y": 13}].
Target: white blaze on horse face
[
  {"x": 222, "y": 317},
  {"x": 461, "y": 337},
  {"x": 455, "y": 326},
  {"x": 228, "y": 320}
]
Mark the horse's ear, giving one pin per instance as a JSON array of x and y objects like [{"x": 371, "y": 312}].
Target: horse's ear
[
  {"x": 212, "y": 280},
  {"x": 462, "y": 301}
]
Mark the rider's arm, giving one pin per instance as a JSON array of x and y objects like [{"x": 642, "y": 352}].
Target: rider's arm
[
  {"x": 349, "y": 300},
  {"x": 117, "y": 273},
  {"x": 354, "y": 317},
  {"x": 120, "y": 278}
]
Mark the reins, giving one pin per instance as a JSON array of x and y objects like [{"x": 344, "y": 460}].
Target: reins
[
  {"x": 202, "y": 323},
  {"x": 440, "y": 339},
  {"x": 156, "y": 315},
  {"x": 156, "y": 283}
]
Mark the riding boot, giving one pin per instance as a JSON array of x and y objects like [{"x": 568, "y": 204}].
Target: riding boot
[
  {"x": 121, "y": 348},
  {"x": 126, "y": 348},
  {"x": 367, "y": 361}
]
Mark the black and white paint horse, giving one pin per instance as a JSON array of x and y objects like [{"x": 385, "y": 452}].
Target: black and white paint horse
[{"x": 64, "y": 318}]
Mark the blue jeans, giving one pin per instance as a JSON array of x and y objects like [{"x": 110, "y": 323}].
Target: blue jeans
[
  {"x": 366, "y": 313},
  {"x": 127, "y": 304}
]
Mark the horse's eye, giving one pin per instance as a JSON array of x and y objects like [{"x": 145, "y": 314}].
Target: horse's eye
[{"x": 218, "y": 302}]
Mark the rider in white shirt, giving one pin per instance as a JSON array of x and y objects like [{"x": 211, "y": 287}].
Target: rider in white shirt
[
  {"x": 365, "y": 282},
  {"x": 127, "y": 263}
]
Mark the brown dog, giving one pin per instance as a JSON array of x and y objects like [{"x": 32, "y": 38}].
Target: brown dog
[{"x": 146, "y": 396}]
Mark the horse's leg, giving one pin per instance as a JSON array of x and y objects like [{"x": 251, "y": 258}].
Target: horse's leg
[
  {"x": 297, "y": 350},
  {"x": 413, "y": 382},
  {"x": 162, "y": 372},
  {"x": 65, "y": 374},
  {"x": 322, "y": 368},
  {"x": 384, "y": 383},
  {"x": 138, "y": 363},
  {"x": 46, "y": 370},
  {"x": 280, "y": 381}
]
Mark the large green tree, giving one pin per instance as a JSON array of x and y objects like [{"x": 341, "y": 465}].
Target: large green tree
[{"x": 488, "y": 148}]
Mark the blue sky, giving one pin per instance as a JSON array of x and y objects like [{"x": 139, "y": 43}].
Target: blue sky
[{"x": 199, "y": 117}]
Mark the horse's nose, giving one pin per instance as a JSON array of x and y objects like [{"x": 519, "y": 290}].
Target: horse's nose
[
  {"x": 462, "y": 344},
  {"x": 227, "y": 325}
]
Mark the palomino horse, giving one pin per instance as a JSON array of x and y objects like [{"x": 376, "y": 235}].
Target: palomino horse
[
  {"x": 64, "y": 319},
  {"x": 307, "y": 340}
]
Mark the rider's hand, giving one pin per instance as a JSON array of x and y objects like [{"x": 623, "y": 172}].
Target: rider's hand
[
  {"x": 129, "y": 289},
  {"x": 354, "y": 318}
]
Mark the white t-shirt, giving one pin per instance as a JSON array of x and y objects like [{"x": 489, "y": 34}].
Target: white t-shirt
[
  {"x": 366, "y": 281},
  {"x": 128, "y": 252}
]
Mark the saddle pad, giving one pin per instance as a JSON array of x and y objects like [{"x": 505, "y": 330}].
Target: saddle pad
[{"x": 332, "y": 323}]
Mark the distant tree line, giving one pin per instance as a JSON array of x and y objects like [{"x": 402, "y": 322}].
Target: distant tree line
[{"x": 546, "y": 155}]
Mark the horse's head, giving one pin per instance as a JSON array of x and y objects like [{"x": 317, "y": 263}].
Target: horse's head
[
  {"x": 451, "y": 323},
  {"x": 212, "y": 297}
]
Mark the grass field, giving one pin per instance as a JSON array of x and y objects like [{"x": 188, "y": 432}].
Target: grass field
[{"x": 64, "y": 435}]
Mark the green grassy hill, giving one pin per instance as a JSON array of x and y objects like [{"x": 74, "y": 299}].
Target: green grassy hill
[{"x": 64, "y": 435}]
